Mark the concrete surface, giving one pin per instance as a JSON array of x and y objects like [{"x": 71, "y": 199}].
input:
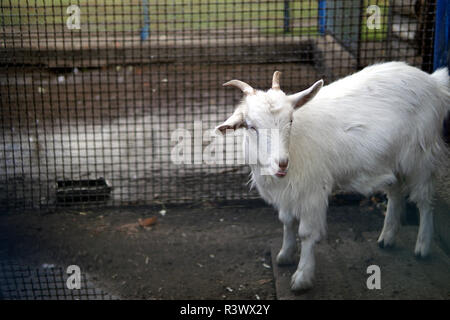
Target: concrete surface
[
  {"x": 103, "y": 51},
  {"x": 341, "y": 269}
]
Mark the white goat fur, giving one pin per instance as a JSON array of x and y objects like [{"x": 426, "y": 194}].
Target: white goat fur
[{"x": 376, "y": 130}]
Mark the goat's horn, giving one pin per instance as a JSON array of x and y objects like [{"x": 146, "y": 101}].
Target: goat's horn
[
  {"x": 276, "y": 80},
  {"x": 241, "y": 85}
]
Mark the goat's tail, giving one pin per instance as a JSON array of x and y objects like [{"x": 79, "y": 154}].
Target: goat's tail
[{"x": 442, "y": 77}]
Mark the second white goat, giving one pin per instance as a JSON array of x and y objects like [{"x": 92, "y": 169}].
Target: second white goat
[{"x": 376, "y": 130}]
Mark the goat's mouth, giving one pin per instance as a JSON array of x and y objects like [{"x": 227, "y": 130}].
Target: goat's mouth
[{"x": 281, "y": 174}]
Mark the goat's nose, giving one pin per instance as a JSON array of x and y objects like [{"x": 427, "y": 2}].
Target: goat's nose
[{"x": 283, "y": 164}]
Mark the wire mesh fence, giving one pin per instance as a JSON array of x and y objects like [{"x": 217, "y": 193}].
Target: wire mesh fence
[
  {"x": 98, "y": 97},
  {"x": 48, "y": 282}
]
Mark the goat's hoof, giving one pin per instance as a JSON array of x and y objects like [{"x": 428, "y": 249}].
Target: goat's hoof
[
  {"x": 300, "y": 282},
  {"x": 381, "y": 243},
  {"x": 284, "y": 259},
  {"x": 384, "y": 244},
  {"x": 419, "y": 256},
  {"x": 421, "y": 253}
]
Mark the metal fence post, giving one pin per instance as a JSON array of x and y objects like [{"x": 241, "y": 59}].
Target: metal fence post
[
  {"x": 146, "y": 28},
  {"x": 441, "y": 35},
  {"x": 286, "y": 22},
  {"x": 322, "y": 16},
  {"x": 358, "y": 45}
]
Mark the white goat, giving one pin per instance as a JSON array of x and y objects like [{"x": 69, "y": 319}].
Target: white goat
[{"x": 376, "y": 130}]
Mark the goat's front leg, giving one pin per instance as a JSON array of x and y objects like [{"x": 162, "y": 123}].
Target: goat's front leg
[
  {"x": 395, "y": 209},
  {"x": 311, "y": 229},
  {"x": 286, "y": 255}
]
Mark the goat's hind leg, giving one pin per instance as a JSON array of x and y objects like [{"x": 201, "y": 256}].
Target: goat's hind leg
[
  {"x": 286, "y": 256},
  {"x": 422, "y": 195},
  {"x": 395, "y": 208},
  {"x": 425, "y": 234}
]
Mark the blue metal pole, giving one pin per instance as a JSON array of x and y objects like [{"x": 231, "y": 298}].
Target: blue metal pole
[
  {"x": 286, "y": 16},
  {"x": 146, "y": 28},
  {"x": 322, "y": 16},
  {"x": 441, "y": 35}
]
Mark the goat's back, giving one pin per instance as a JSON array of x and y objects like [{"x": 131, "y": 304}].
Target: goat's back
[{"x": 381, "y": 122}]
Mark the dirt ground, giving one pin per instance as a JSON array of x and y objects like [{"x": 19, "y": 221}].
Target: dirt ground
[
  {"x": 190, "y": 253},
  {"x": 203, "y": 252},
  {"x": 220, "y": 252}
]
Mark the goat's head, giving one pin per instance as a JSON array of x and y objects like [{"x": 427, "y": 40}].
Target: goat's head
[{"x": 267, "y": 117}]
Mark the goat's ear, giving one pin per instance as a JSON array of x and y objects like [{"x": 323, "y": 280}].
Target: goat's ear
[
  {"x": 234, "y": 122},
  {"x": 300, "y": 98}
]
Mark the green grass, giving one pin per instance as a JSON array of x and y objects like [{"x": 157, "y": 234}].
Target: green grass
[
  {"x": 380, "y": 34},
  {"x": 175, "y": 15},
  {"x": 96, "y": 15}
]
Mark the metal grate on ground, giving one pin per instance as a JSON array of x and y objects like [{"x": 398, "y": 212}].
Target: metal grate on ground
[{"x": 97, "y": 95}]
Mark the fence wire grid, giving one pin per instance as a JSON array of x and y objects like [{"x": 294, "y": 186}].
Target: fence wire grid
[
  {"x": 95, "y": 94},
  {"x": 19, "y": 282}
]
